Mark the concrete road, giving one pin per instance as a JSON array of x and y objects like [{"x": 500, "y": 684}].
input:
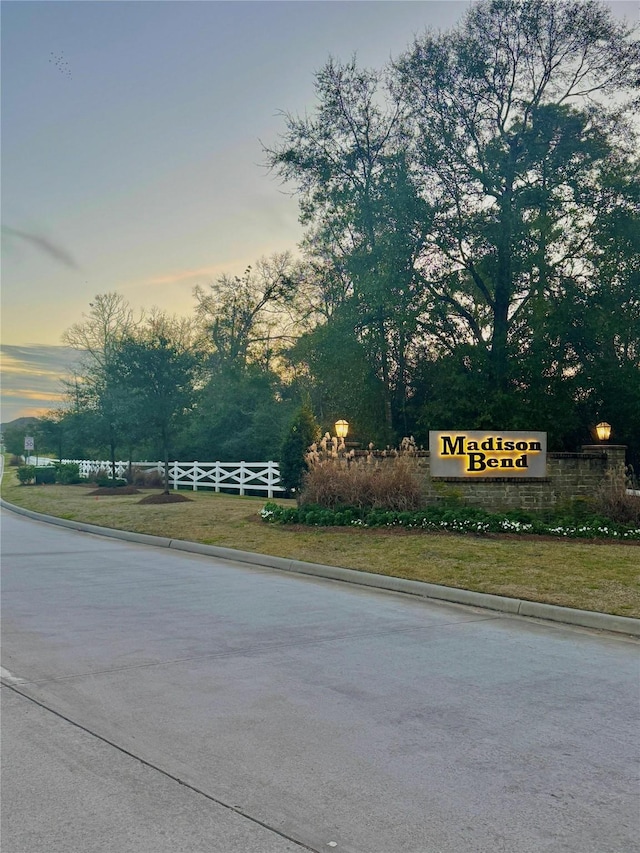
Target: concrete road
[{"x": 161, "y": 701}]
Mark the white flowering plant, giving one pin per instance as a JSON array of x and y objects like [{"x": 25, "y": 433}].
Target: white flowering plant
[{"x": 462, "y": 519}]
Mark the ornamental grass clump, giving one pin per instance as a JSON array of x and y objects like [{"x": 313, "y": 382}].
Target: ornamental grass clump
[
  {"x": 614, "y": 502},
  {"x": 338, "y": 478},
  {"x": 332, "y": 483},
  {"x": 146, "y": 479}
]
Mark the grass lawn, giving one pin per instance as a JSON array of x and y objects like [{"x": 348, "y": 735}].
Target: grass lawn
[{"x": 600, "y": 575}]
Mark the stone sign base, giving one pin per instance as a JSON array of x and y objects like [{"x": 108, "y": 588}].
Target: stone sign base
[{"x": 569, "y": 477}]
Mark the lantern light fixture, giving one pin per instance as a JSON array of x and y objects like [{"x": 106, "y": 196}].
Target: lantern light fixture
[
  {"x": 342, "y": 428},
  {"x": 603, "y": 431}
]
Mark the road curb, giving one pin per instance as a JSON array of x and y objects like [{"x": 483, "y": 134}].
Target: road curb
[{"x": 420, "y": 589}]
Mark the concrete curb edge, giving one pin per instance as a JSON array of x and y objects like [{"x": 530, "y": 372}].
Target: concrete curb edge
[{"x": 453, "y": 595}]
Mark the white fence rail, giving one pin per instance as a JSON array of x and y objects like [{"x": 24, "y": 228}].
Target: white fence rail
[
  {"x": 237, "y": 476},
  {"x": 240, "y": 476},
  {"x": 93, "y": 466}
]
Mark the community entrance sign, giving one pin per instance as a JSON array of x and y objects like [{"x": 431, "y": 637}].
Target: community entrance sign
[{"x": 476, "y": 453}]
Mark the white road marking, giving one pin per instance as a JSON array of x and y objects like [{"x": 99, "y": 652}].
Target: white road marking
[{"x": 7, "y": 676}]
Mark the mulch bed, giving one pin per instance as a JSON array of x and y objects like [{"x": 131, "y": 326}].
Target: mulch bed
[
  {"x": 163, "y": 498},
  {"x": 117, "y": 491},
  {"x": 114, "y": 490}
]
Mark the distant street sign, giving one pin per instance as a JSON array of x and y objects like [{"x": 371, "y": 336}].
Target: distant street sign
[{"x": 29, "y": 443}]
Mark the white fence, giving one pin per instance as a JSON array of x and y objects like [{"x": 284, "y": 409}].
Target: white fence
[{"x": 236, "y": 476}]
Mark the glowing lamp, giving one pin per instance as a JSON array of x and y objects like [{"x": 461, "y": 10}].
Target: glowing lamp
[
  {"x": 342, "y": 428},
  {"x": 603, "y": 431}
]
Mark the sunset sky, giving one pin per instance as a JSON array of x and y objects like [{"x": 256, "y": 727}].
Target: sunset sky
[{"x": 131, "y": 150}]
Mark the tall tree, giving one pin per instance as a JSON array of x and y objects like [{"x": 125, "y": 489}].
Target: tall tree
[
  {"x": 249, "y": 318},
  {"x": 331, "y": 370},
  {"x": 154, "y": 378},
  {"x": 606, "y": 328},
  {"x": 462, "y": 200},
  {"x": 109, "y": 321},
  {"x": 349, "y": 164},
  {"x": 513, "y": 140},
  {"x": 246, "y": 323},
  {"x": 237, "y": 416},
  {"x": 94, "y": 391}
]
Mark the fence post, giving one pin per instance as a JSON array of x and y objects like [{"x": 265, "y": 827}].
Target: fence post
[
  {"x": 195, "y": 477},
  {"x": 216, "y": 475},
  {"x": 241, "y": 478},
  {"x": 270, "y": 479}
]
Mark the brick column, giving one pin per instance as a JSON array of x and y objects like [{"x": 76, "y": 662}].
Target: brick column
[{"x": 615, "y": 455}]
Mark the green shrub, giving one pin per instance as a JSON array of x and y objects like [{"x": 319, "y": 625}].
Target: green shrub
[
  {"x": 102, "y": 477},
  {"x": 303, "y": 431},
  {"x": 448, "y": 495},
  {"x": 26, "y": 474},
  {"x": 45, "y": 474},
  {"x": 576, "y": 508},
  {"x": 452, "y": 520},
  {"x": 67, "y": 473},
  {"x": 522, "y": 516},
  {"x": 118, "y": 483}
]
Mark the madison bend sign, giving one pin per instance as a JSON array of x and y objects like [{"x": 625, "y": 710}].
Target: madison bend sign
[{"x": 476, "y": 453}]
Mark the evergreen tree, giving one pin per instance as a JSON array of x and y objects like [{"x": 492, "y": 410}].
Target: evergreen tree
[{"x": 303, "y": 432}]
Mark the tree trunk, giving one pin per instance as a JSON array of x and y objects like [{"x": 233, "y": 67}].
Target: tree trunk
[
  {"x": 112, "y": 447},
  {"x": 165, "y": 445},
  {"x": 386, "y": 382},
  {"x": 503, "y": 286}
]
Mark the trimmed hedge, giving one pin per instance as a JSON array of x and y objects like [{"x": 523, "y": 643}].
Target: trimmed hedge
[
  {"x": 453, "y": 520},
  {"x": 62, "y": 474},
  {"x": 45, "y": 474}
]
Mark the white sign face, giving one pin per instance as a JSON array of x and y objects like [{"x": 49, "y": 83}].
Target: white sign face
[
  {"x": 476, "y": 453},
  {"x": 29, "y": 443}
]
